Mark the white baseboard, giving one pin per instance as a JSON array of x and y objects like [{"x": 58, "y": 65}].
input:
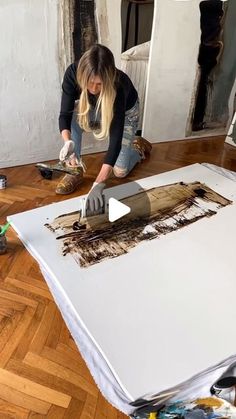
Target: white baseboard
[
  {"x": 28, "y": 160},
  {"x": 89, "y": 145}
]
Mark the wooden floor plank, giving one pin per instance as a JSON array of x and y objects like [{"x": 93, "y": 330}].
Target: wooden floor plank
[
  {"x": 12, "y": 411},
  {"x": 26, "y": 285},
  {"x": 44, "y": 328},
  {"x": 63, "y": 359},
  {"x": 16, "y": 298},
  {"x": 16, "y": 336},
  {"x": 46, "y": 379},
  {"x": 27, "y": 337},
  {"x": 54, "y": 335},
  {"x": 56, "y": 412},
  {"x": 8, "y": 328},
  {"x": 67, "y": 374},
  {"x": 33, "y": 389},
  {"x": 74, "y": 410},
  {"x": 23, "y": 400},
  {"x": 89, "y": 409}
]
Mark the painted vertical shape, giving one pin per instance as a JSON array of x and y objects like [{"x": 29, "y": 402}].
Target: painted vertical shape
[
  {"x": 29, "y": 81},
  {"x": 84, "y": 30},
  {"x": 172, "y": 69},
  {"x": 224, "y": 77},
  {"x": 108, "y": 14}
]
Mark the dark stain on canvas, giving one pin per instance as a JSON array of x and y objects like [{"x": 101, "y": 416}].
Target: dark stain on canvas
[{"x": 171, "y": 207}]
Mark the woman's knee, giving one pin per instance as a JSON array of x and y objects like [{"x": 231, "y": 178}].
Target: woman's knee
[{"x": 120, "y": 171}]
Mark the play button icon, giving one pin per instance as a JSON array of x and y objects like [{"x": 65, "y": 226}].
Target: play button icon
[
  {"x": 117, "y": 210},
  {"x": 128, "y": 200}
]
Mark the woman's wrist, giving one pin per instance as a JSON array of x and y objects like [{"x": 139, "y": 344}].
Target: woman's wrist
[
  {"x": 66, "y": 135},
  {"x": 104, "y": 173}
]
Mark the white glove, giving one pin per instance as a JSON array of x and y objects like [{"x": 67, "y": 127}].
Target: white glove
[
  {"x": 95, "y": 199},
  {"x": 66, "y": 150}
]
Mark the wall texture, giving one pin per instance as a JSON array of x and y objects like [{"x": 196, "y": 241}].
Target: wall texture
[
  {"x": 108, "y": 14},
  {"x": 33, "y": 57},
  {"x": 220, "y": 108},
  {"x": 173, "y": 72},
  {"x": 29, "y": 81}
]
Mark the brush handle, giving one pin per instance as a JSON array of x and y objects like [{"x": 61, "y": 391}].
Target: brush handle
[{"x": 4, "y": 229}]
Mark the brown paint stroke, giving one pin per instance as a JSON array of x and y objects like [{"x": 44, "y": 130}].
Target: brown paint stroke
[{"x": 154, "y": 213}]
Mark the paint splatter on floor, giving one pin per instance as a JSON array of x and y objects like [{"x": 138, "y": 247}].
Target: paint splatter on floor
[{"x": 154, "y": 213}]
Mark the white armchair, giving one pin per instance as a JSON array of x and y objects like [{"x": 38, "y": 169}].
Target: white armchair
[{"x": 134, "y": 62}]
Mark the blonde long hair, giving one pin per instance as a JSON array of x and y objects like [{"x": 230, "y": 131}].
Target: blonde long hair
[{"x": 97, "y": 61}]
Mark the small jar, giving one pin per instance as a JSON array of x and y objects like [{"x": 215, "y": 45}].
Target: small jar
[
  {"x": 3, "y": 181},
  {"x": 3, "y": 244}
]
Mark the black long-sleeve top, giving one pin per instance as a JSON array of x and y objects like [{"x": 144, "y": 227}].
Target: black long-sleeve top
[{"x": 126, "y": 96}]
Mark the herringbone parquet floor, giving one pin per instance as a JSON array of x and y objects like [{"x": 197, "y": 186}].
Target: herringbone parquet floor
[{"x": 42, "y": 374}]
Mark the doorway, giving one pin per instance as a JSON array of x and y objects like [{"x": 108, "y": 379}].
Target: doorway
[{"x": 217, "y": 66}]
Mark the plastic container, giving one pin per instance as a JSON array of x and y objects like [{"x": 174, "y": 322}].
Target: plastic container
[
  {"x": 3, "y": 181},
  {"x": 3, "y": 244}
]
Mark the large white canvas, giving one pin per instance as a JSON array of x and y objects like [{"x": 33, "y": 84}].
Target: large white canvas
[{"x": 165, "y": 311}]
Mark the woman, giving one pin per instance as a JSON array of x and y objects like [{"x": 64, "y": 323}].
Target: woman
[{"x": 108, "y": 106}]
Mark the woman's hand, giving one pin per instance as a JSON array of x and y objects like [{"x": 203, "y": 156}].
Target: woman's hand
[
  {"x": 67, "y": 150},
  {"x": 94, "y": 201}
]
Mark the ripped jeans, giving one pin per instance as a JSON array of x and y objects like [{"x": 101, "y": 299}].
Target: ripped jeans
[{"x": 128, "y": 156}]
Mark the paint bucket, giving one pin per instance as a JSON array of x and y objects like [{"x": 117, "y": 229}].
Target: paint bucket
[{"x": 3, "y": 181}]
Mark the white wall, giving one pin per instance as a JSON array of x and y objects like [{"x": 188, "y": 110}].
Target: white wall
[
  {"x": 29, "y": 81},
  {"x": 172, "y": 69},
  {"x": 30, "y": 85},
  {"x": 108, "y": 15}
]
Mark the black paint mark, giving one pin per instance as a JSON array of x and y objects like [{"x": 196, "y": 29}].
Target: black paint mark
[
  {"x": 211, "y": 26},
  {"x": 200, "y": 192},
  {"x": 85, "y": 32}
]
